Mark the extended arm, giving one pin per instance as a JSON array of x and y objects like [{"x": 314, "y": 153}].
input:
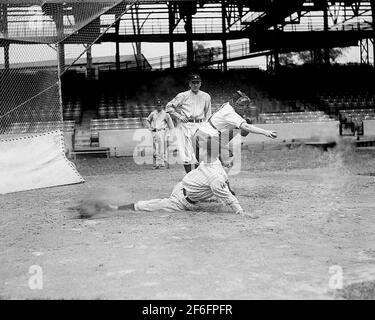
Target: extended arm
[
  {"x": 253, "y": 129},
  {"x": 221, "y": 191}
]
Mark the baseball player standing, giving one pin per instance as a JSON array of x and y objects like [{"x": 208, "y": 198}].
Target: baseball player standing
[
  {"x": 189, "y": 109},
  {"x": 200, "y": 184},
  {"x": 158, "y": 122}
]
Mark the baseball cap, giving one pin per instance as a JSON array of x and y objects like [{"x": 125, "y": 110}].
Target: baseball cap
[
  {"x": 158, "y": 102},
  {"x": 239, "y": 94},
  {"x": 241, "y": 99},
  {"x": 195, "y": 77}
]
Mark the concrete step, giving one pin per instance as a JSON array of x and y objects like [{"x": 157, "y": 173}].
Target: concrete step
[
  {"x": 88, "y": 142},
  {"x": 81, "y": 132},
  {"x": 84, "y": 136},
  {"x": 82, "y": 146},
  {"x": 82, "y": 141}
]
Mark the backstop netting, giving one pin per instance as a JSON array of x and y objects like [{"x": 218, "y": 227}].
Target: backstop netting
[{"x": 39, "y": 42}]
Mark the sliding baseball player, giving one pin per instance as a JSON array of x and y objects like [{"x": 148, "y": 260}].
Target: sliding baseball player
[{"x": 200, "y": 184}]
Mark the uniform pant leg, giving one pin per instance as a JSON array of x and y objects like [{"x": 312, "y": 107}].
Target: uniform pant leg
[
  {"x": 157, "y": 148},
  {"x": 156, "y": 205},
  {"x": 184, "y": 132},
  {"x": 195, "y": 142},
  {"x": 160, "y": 156},
  {"x": 180, "y": 132},
  {"x": 176, "y": 202},
  {"x": 154, "y": 147},
  {"x": 192, "y": 142}
]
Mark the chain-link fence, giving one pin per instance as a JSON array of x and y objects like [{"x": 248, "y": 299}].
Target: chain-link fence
[{"x": 40, "y": 41}]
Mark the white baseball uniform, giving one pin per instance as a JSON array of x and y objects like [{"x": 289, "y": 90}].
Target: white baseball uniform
[
  {"x": 196, "y": 107},
  {"x": 198, "y": 185},
  {"x": 222, "y": 120},
  {"x": 159, "y": 123}
]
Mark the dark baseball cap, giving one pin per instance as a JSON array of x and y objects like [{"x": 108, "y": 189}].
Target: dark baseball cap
[
  {"x": 194, "y": 77},
  {"x": 158, "y": 102},
  {"x": 239, "y": 94},
  {"x": 241, "y": 99}
]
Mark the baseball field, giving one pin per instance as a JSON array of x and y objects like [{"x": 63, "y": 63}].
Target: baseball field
[{"x": 313, "y": 239}]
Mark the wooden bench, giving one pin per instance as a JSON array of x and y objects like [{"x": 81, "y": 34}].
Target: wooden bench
[{"x": 75, "y": 152}]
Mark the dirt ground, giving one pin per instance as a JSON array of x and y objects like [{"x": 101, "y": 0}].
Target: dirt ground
[{"x": 316, "y": 220}]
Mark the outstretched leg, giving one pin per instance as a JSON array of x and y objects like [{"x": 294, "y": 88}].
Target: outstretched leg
[{"x": 100, "y": 209}]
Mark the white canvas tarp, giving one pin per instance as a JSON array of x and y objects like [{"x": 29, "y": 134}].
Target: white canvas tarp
[{"x": 35, "y": 161}]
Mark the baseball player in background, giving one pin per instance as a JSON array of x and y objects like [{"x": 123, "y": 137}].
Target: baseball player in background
[
  {"x": 189, "y": 109},
  {"x": 158, "y": 123},
  {"x": 229, "y": 116},
  {"x": 200, "y": 184}
]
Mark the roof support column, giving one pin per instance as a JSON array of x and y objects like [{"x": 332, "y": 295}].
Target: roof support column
[
  {"x": 171, "y": 19},
  {"x": 60, "y": 51},
  {"x": 364, "y": 51},
  {"x": 4, "y": 23},
  {"x": 117, "y": 30},
  {"x": 60, "y": 32},
  {"x": 89, "y": 65},
  {"x": 276, "y": 62},
  {"x": 61, "y": 58},
  {"x": 325, "y": 21},
  {"x": 189, "y": 40},
  {"x": 224, "y": 41},
  {"x": 373, "y": 30},
  {"x": 6, "y": 56}
]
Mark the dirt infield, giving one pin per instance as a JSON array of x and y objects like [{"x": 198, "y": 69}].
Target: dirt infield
[{"x": 316, "y": 219}]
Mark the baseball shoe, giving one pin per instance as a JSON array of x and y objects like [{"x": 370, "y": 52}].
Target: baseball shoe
[{"x": 155, "y": 167}]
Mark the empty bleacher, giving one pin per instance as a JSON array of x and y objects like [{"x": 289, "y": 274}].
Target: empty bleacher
[
  {"x": 116, "y": 107},
  {"x": 289, "y": 97},
  {"x": 97, "y": 125},
  {"x": 350, "y": 107},
  {"x": 72, "y": 109},
  {"x": 294, "y": 117},
  {"x": 336, "y": 102},
  {"x": 260, "y": 89},
  {"x": 37, "y": 127}
]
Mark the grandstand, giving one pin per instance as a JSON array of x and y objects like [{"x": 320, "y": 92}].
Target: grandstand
[
  {"x": 294, "y": 117},
  {"x": 117, "y": 92},
  {"x": 35, "y": 127},
  {"x": 122, "y": 100}
]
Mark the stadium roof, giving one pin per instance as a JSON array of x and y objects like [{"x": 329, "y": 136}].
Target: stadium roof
[
  {"x": 279, "y": 25},
  {"x": 251, "y": 3},
  {"x": 40, "y": 2}
]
